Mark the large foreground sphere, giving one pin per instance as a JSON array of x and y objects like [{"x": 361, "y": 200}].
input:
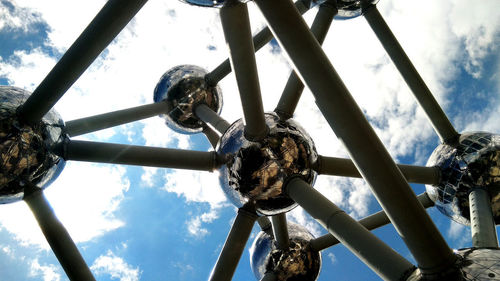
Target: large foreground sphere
[
  {"x": 476, "y": 264},
  {"x": 348, "y": 9},
  {"x": 473, "y": 162},
  {"x": 25, "y": 149},
  {"x": 298, "y": 262},
  {"x": 182, "y": 88},
  {"x": 257, "y": 171}
]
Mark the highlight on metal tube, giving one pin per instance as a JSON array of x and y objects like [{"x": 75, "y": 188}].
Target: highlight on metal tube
[
  {"x": 259, "y": 40},
  {"x": 367, "y": 151},
  {"x": 107, "y": 120},
  {"x": 234, "y": 246},
  {"x": 294, "y": 87},
  {"x": 435, "y": 113},
  {"x": 57, "y": 236},
  {"x": 280, "y": 231},
  {"x": 139, "y": 155},
  {"x": 106, "y": 25},
  {"x": 371, "y": 222},
  {"x": 236, "y": 25},
  {"x": 361, "y": 242}
]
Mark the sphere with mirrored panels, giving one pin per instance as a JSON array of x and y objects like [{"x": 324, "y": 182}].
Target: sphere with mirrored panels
[
  {"x": 208, "y": 3},
  {"x": 26, "y": 149},
  {"x": 182, "y": 88},
  {"x": 299, "y": 262},
  {"x": 348, "y": 9},
  {"x": 257, "y": 171},
  {"x": 475, "y": 264},
  {"x": 473, "y": 163}
]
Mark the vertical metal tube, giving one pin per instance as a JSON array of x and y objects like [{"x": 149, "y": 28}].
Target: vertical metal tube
[
  {"x": 107, "y": 120},
  {"x": 259, "y": 41},
  {"x": 440, "y": 122},
  {"x": 265, "y": 225},
  {"x": 112, "y": 18},
  {"x": 234, "y": 246},
  {"x": 236, "y": 25},
  {"x": 371, "y": 222},
  {"x": 210, "y": 117},
  {"x": 270, "y": 276},
  {"x": 483, "y": 229},
  {"x": 351, "y": 127},
  {"x": 294, "y": 87},
  {"x": 382, "y": 259},
  {"x": 57, "y": 236},
  {"x": 280, "y": 231},
  {"x": 212, "y": 136}
]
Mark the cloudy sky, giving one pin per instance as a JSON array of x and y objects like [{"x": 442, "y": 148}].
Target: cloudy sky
[{"x": 134, "y": 223}]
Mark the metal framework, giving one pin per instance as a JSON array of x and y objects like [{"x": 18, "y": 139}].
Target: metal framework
[{"x": 369, "y": 158}]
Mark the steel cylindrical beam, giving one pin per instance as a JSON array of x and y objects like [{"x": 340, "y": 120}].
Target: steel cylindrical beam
[
  {"x": 139, "y": 155},
  {"x": 270, "y": 276},
  {"x": 280, "y": 231},
  {"x": 112, "y": 18},
  {"x": 350, "y": 125},
  {"x": 210, "y": 117},
  {"x": 440, "y": 122},
  {"x": 265, "y": 225},
  {"x": 107, "y": 120},
  {"x": 57, "y": 236},
  {"x": 483, "y": 228},
  {"x": 294, "y": 87},
  {"x": 212, "y": 136},
  {"x": 334, "y": 166},
  {"x": 371, "y": 222},
  {"x": 381, "y": 258},
  {"x": 234, "y": 246},
  {"x": 236, "y": 25},
  {"x": 259, "y": 40}
]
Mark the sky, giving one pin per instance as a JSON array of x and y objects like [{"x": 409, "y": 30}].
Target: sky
[{"x": 134, "y": 223}]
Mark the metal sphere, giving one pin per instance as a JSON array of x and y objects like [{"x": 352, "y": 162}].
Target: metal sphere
[
  {"x": 25, "y": 149},
  {"x": 207, "y": 3},
  {"x": 183, "y": 87},
  {"x": 257, "y": 171},
  {"x": 473, "y": 162},
  {"x": 298, "y": 262},
  {"x": 476, "y": 264},
  {"x": 348, "y": 9}
]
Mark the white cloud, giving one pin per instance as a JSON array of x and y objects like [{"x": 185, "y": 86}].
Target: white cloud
[
  {"x": 332, "y": 258},
  {"x": 116, "y": 267},
  {"x": 16, "y": 18},
  {"x": 47, "y": 272},
  {"x": 195, "y": 225}
]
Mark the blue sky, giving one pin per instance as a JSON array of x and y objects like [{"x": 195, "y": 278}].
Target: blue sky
[{"x": 132, "y": 223}]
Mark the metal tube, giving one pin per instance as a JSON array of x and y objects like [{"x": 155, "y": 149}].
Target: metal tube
[
  {"x": 107, "y": 120},
  {"x": 382, "y": 259},
  {"x": 234, "y": 246},
  {"x": 139, "y": 155},
  {"x": 57, "y": 236},
  {"x": 259, "y": 41},
  {"x": 280, "y": 231},
  {"x": 210, "y": 117},
  {"x": 236, "y": 25},
  {"x": 350, "y": 125},
  {"x": 294, "y": 87},
  {"x": 112, "y": 18},
  {"x": 440, "y": 122},
  {"x": 334, "y": 166},
  {"x": 212, "y": 136},
  {"x": 265, "y": 225},
  {"x": 371, "y": 222},
  {"x": 483, "y": 229},
  {"x": 270, "y": 276}
]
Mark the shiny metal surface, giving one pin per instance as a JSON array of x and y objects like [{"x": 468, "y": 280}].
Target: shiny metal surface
[
  {"x": 298, "y": 262},
  {"x": 256, "y": 171},
  {"x": 349, "y": 9},
  {"x": 208, "y": 3},
  {"x": 473, "y": 162},
  {"x": 476, "y": 264},
  {"x": 25, "y": 150},
  {"x": 183, "y": 87}
]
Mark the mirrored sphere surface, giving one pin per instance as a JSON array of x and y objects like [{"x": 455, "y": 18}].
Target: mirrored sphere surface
[
  {"x": 476, "y": 264},
  {"x": 208, "y": 3},
  {"x": 182, "y": 88},
  {"x": 474, "y": 162},
  {"x": 299, "y": 262},
  {"x": 257, "y": 171},
  {"x": 348, "y": 9},
  {"x": 25, "y": 149}
]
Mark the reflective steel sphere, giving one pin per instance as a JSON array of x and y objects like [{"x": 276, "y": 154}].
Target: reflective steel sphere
[
  {"x": 299, "y": 262},
  {"x": 348, "y": 9},
  {"x": 256, "y": 171},
  {"x": 474, "y": 162},
  {"x": 475, "y": 265},
  {"x": 208, "y": 3},
  {"x": 25, "y": 149},
  {"x": 183, "y": 87}
]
